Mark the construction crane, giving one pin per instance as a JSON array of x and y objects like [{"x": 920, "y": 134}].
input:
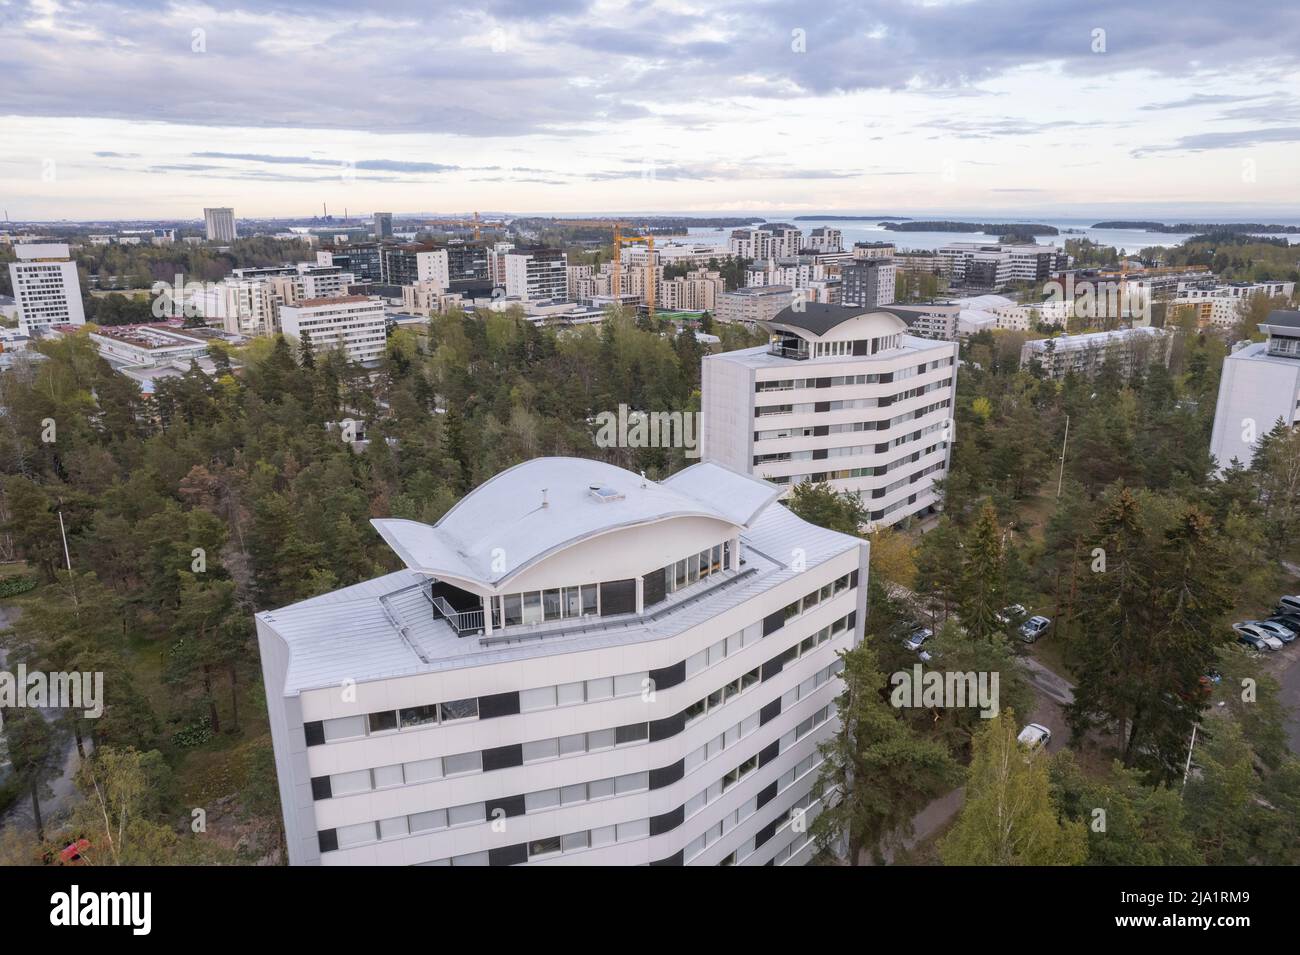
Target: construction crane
[
  {"x": 475, "y": 223},
  {"x": 617, "y": 226}
]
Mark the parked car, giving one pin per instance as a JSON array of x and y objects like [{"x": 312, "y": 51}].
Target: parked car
[
  {"x": 1012, "y": 614},
  {"x": 1034, "y": 627},
  {"x": 1034, "y": 736},
  {"x": 1279, "y": 630},
  {"x": 916, "y": 640},
  {"x": 1256, "y": 639},
  {"x": 1289, "y": 620},
  {"x": 1288, "y": 603}
]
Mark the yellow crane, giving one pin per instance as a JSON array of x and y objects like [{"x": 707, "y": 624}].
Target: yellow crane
[{"x": 617, "y": 226}]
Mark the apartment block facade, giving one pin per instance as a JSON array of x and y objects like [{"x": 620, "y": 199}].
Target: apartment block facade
[
  {"x": 1260, "y": 386},
  {"x": 1130, "y": 349},
  {"x": 577, "y": 667},
  {"x": 841, "y": 395},
  {"x": 219, "y": 224},
  {"x": 47, "y": 290},
  {"x": 354, "y": 323},
  {"x": 537, "y": 274}
]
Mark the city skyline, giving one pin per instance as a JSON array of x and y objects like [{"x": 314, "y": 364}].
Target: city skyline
[{"x": 161, "y": 109}]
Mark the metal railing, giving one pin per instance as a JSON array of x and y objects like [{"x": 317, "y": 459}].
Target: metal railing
[
  {"x": 463, "y": 621},
  {"x": 783, "y": 351}
]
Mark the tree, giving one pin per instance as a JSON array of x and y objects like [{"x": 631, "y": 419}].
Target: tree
[
  {"x": 983, "y": 577},
  {"x": 1009, "y": 817},
  {"x": 32, "y": 745},
  {"x": 822, "y": 505},
  {"x": 876, "y": 772}
]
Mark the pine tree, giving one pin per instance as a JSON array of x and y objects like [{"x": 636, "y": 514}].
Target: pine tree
[
  {"x": 876, "y": 772},
  {"x": 983, "y": 578}
]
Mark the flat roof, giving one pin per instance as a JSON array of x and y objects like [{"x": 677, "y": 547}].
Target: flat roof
[
  {"x": 340, "y": 300},
  {"x": 760, "y": 357}
]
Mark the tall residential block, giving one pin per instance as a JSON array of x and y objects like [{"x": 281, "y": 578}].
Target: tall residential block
[
  {"x": 220, "y": 224},
  {"x": 46, "y": 288}
]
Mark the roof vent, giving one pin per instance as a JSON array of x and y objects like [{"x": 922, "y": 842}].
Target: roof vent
[{"x": 604, "y": 494}]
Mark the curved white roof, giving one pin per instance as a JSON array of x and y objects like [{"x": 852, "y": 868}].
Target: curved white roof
[{"x": 501, "y": 527}]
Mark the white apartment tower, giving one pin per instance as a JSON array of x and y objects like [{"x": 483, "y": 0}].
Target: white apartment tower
[
  {"x": 46, "y": 288},
  {"x": 578, "y": 666},
  {"x": 220, "y": 224},
  {"x": 1260, "y": 385},
  {"x": 841, "y": 395},
  {"x": 353, "y": 322},
  {"x": 537, "y": 274}
]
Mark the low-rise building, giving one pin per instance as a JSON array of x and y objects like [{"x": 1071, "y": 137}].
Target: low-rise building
[
  {"x": 757, "y": 304},
  {"x": 1220, "y": 304},
  {"x": 1131, "y": 349}
]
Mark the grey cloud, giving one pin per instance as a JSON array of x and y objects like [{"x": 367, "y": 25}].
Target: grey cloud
[{"x": 1200, "y": 142}]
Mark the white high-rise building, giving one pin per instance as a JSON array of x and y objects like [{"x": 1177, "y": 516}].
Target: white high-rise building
[
  {"x": 1260, "y": 385},
  {"x": 537, "y": 274},
  {"x": 46, "y": 288},
  {"x": 578, "y": 667},
  {"x": 220, "y": 224},
  {"x": 354, "y": 322},
  {"x": 843, "y": 396}
]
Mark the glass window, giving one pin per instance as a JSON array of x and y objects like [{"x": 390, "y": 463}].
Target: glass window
[
  {"x": 570, "y": 693},
  {"x": 631, "y": 783},
  {"x": 419, "y": 715},
  {"x": 603, "y": 836},
  {"x": 572, "y": 602},
  {"x": 693, "y": 568},
  {"x": 345, "y": 784},
  {"x": 423, "y": 769},
  {"x": 572, "y": 794},
  {"x": 572, "y": 745},
  {"x": 544, "y": 847},
  {"x": 600, "y": 739},
  {"x": 589, "y": 594},
  {"x": 541, "y": 749},
  {"x": 462, "y": 815},
  {"x": 716, "y": 561},
  {"x": 545, "y": 799},
  {"x": 600, "y": 788},
  {"x": 539, "y": 699},
  {"x": 696, "y": 663},
  {"x": 574, "y": 841},
  {"x": 514, "y": 610},
  {"x": 460, "y": 709},
  {"x": 462, "y": 763},
  {"x": 389, "y": 776},
  {"x": 473, "y": 858},
  {"x": 356, "y": 835},
  {"x": 551, "y": 604},
  {"x": 601, "y": 689},
  {"x": 393, "y": 828},
  {"x": 630, "y": 684},
  {"x": 638, "y": 829},
  {"x": 633, "y": 733},
  {"x": 704, "y": 563},
  {"x": 533, "y": 607},
  {"x": 345, "y": 727},
  {"x": 717, "y": 652}
]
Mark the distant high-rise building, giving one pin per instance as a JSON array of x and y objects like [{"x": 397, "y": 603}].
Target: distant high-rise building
[
  {"x": 537, "y": 274},
  {"x": 868, "y": 282},
  {"x": 46, "y": 288},
  {"x": 220, "y": 224},
  {"x": 383, "y": 225}
]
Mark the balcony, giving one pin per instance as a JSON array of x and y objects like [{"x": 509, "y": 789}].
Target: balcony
[{"x": 794, "y": 348}]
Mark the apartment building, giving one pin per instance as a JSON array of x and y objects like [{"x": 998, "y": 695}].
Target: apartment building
[
  {"x": 354, "y": 323},
  {"x": 697, "y": 291},
  {"x": 47, "y": 290},
  {"x": 578, "y": 666},
  {"x": 409, "y": 264},
  {"x": 383, "y": 227},
  {"x": 537, "y": 273},
  {"x": 693, "y": 254},
  {"x": 220, "y": 224},
  {"x": 824, "y": 239},
  {"x": 772, "y": 240},
  {"x": 996, "y": 266},
  {"x": 496, "y": 262},
  {"x": 309, "y": 281},
  {"x": 1220, "y": 304},
  {"x": 938, "y": 321},
  {"x": 1260, "y": 385},
  {"x": 467, "y": 261},
  {"x": 751, "y": 305},
  {"x": 425, "y": 297},
  {"x": 841, "y": 395},
  {"x": 1131, "y": 349},
  {"x": 868, "y": 282},
  {"x": 364, "y": 260}
]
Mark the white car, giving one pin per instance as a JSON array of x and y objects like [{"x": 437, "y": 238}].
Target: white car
[
  {"x": 1289, "y": 603},
  {"x": 1009, "y": 615},
  {"x": 1034, "y": 736},
  {"x": 916, "y": 642},
  {"x": 1257, "y": 635},
  {"x": 1033, "y": 628}
]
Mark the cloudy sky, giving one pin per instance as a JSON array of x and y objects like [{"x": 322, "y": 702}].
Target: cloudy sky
[{"x": 156, "y": 108}]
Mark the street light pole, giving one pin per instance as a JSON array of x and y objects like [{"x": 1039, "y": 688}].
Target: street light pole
[{"x": 1064, "y": 441}]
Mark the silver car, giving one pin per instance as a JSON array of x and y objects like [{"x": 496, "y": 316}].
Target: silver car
[{"x": 1257, "y": 636}]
